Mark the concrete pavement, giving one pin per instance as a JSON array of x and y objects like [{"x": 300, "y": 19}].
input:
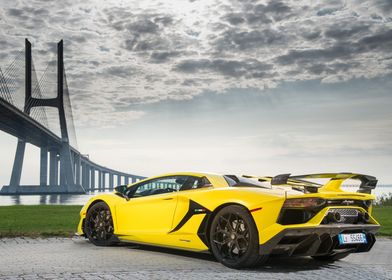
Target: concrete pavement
[{"x": 64, "y": 258}]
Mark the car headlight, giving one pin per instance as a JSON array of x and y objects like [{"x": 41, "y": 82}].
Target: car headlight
[{"x": 303, "y": 203}]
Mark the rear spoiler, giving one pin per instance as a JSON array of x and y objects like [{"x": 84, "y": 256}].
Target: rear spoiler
[
  {"x": 368, "y": 183},
  {"x": 285, "y": 179}
]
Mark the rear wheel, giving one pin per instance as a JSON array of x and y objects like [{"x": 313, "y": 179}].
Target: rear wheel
[
  {"x": 99, "y": 225},
  {"x": 234, "y": 238},
  {"x": 331, "y": 257}
]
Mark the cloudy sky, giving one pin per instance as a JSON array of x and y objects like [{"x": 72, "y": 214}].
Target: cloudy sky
[{"x": 259, "y": 87}]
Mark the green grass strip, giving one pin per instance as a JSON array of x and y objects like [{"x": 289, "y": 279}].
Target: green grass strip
[
  {"x": 38, "y": 220},
  {"x": 62, "y": 220},
  {"x": 383, "y": 215}
]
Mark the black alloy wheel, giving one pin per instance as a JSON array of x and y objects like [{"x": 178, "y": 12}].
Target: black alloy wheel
[
  {"x": 234, "y": 238},
  {"x": 99, "y": 225}
]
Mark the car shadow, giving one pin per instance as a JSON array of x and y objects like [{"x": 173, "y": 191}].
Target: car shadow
[
  {"x": 293, "y": 264},
  {"x": 169, "y": 251},
  {"x": 273, "y": 264}
]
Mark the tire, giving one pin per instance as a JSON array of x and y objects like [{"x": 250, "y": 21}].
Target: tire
[
  {"x": 331, "y": 257},
  {"x": 234, "y": 239},
  {"x": 98, "y": 225}
]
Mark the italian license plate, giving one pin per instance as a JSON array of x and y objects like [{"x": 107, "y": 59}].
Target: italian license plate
[{"x": 352, "y": 238}]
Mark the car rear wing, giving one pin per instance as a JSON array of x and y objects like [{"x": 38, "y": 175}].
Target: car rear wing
[
  {"x": 368, "y": 183},
  {"x": 285, "y": 179}
]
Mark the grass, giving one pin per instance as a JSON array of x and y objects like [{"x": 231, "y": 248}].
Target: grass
[
  {"x": 383, "y": 214},
  {"x": 62, "y": 220},
  {"x": 38, "y": 220}
]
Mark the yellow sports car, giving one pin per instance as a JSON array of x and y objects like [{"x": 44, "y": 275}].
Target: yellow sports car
[{"x": 242, "y": 220}]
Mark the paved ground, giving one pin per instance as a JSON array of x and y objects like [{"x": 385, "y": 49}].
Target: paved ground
[{"x": 61, "y": 258}]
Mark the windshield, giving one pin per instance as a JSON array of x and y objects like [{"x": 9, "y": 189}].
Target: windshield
[{"x": 235, "y": 181}]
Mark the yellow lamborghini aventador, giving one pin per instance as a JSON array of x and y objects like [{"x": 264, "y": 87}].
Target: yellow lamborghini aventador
[{"x": 242, "y": 220}]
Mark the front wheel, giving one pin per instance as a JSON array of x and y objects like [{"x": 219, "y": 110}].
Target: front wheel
[
  {"x": 234, "y": 238},
  {"x": 99, "y": 225}
]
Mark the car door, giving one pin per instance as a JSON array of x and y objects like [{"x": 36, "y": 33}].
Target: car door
[{"x": 148, "y": 214}]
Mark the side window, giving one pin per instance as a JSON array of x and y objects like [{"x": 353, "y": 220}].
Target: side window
[
  {"x": 195, "y": 183},
  {"x": 159, "y": 186}
]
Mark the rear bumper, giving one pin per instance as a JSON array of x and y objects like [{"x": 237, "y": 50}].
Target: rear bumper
[{"x": 320, "y": 240}]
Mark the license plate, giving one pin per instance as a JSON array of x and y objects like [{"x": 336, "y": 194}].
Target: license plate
[{"x": 352, "y": 238}]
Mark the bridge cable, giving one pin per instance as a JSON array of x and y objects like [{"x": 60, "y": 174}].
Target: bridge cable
[
  {"x": 10, "y": 75},
  {"x": 68, "y": 111},
  {"x": 4, "y": 89},
  {"x": 39, "y": 111}
]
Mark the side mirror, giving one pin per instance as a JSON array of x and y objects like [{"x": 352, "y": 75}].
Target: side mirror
[{"x": 121, "y": 190}]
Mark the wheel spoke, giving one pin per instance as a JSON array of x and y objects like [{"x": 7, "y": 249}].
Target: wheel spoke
[
  {"x": 219, "y": 242},
  {"x": 230, "y": 223},
  {"x": 96, "y": 220},
  {"x": 231, "y": 247},
  {"x": 225, "y": 222},
  {"x": 221, "y": 231},
  {"x": 237, "y": 225}
]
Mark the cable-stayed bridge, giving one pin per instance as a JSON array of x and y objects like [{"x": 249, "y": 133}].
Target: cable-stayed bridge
[{"x": 36, "y": 108}]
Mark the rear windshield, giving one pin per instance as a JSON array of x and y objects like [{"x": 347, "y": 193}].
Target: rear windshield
[{"x": 235, "y": 181}]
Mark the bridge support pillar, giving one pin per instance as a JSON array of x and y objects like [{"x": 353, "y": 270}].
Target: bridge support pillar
[
  {"x": 18, "y": 164},
  {"x": 118, "y": 180},
  {"x": 62, "y": 175},
  {"x": 53, "y": 168},
  {"x": 103, "y": 180},
  {"x": 111, "y": 184},
  {"x": 99, "y": 180},
  {"x": 77, "y": 169},
  {"x": 84, "y": 174},
  {"x": 43, "y": 178},
  {"x": 88, "y": 171},
  {"x": 92, "y": 186},
  {"x": 66, "y": 170}
]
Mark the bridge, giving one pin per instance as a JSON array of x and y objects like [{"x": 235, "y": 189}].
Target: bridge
[{"x": 39, "y": 112}]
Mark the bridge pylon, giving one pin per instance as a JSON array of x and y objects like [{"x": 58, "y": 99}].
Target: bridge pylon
[{"x": 60, "y": 158}]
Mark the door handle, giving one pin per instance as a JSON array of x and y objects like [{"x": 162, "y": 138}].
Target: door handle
[{"x": 169, "y": 198}]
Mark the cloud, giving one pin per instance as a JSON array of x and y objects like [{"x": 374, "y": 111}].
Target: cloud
[
  {"x": 142, "y": 26},
  {"x": 163, "y": 56},
  {"x": 326, "y": 11},
  {"x": 380, "y": 41},
  {"x": 344, "y": 31},
  {"x": 230, "y": 68},
  {"x": 112, "y": 118},
  {"x": 119, "y": 71},
  {"x": 384, "y": 5},
  {"x": 15, "y": 12},
  {"x": 232, "y": 39},
  {"x": 139, "y": 52},
  {"x": 338, "y": 51}
]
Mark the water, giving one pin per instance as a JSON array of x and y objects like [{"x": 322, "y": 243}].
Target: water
[
  {"x": 52, "y": 199},
  {"x": 80, "y": 199}
]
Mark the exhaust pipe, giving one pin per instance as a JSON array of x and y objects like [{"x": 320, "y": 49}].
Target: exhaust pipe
[
  {"x": 363, "y": 217},
  {"x": 334, "y": 217}
]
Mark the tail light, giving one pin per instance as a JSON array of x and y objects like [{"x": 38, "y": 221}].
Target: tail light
[{"x": 303, "y": 203}]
